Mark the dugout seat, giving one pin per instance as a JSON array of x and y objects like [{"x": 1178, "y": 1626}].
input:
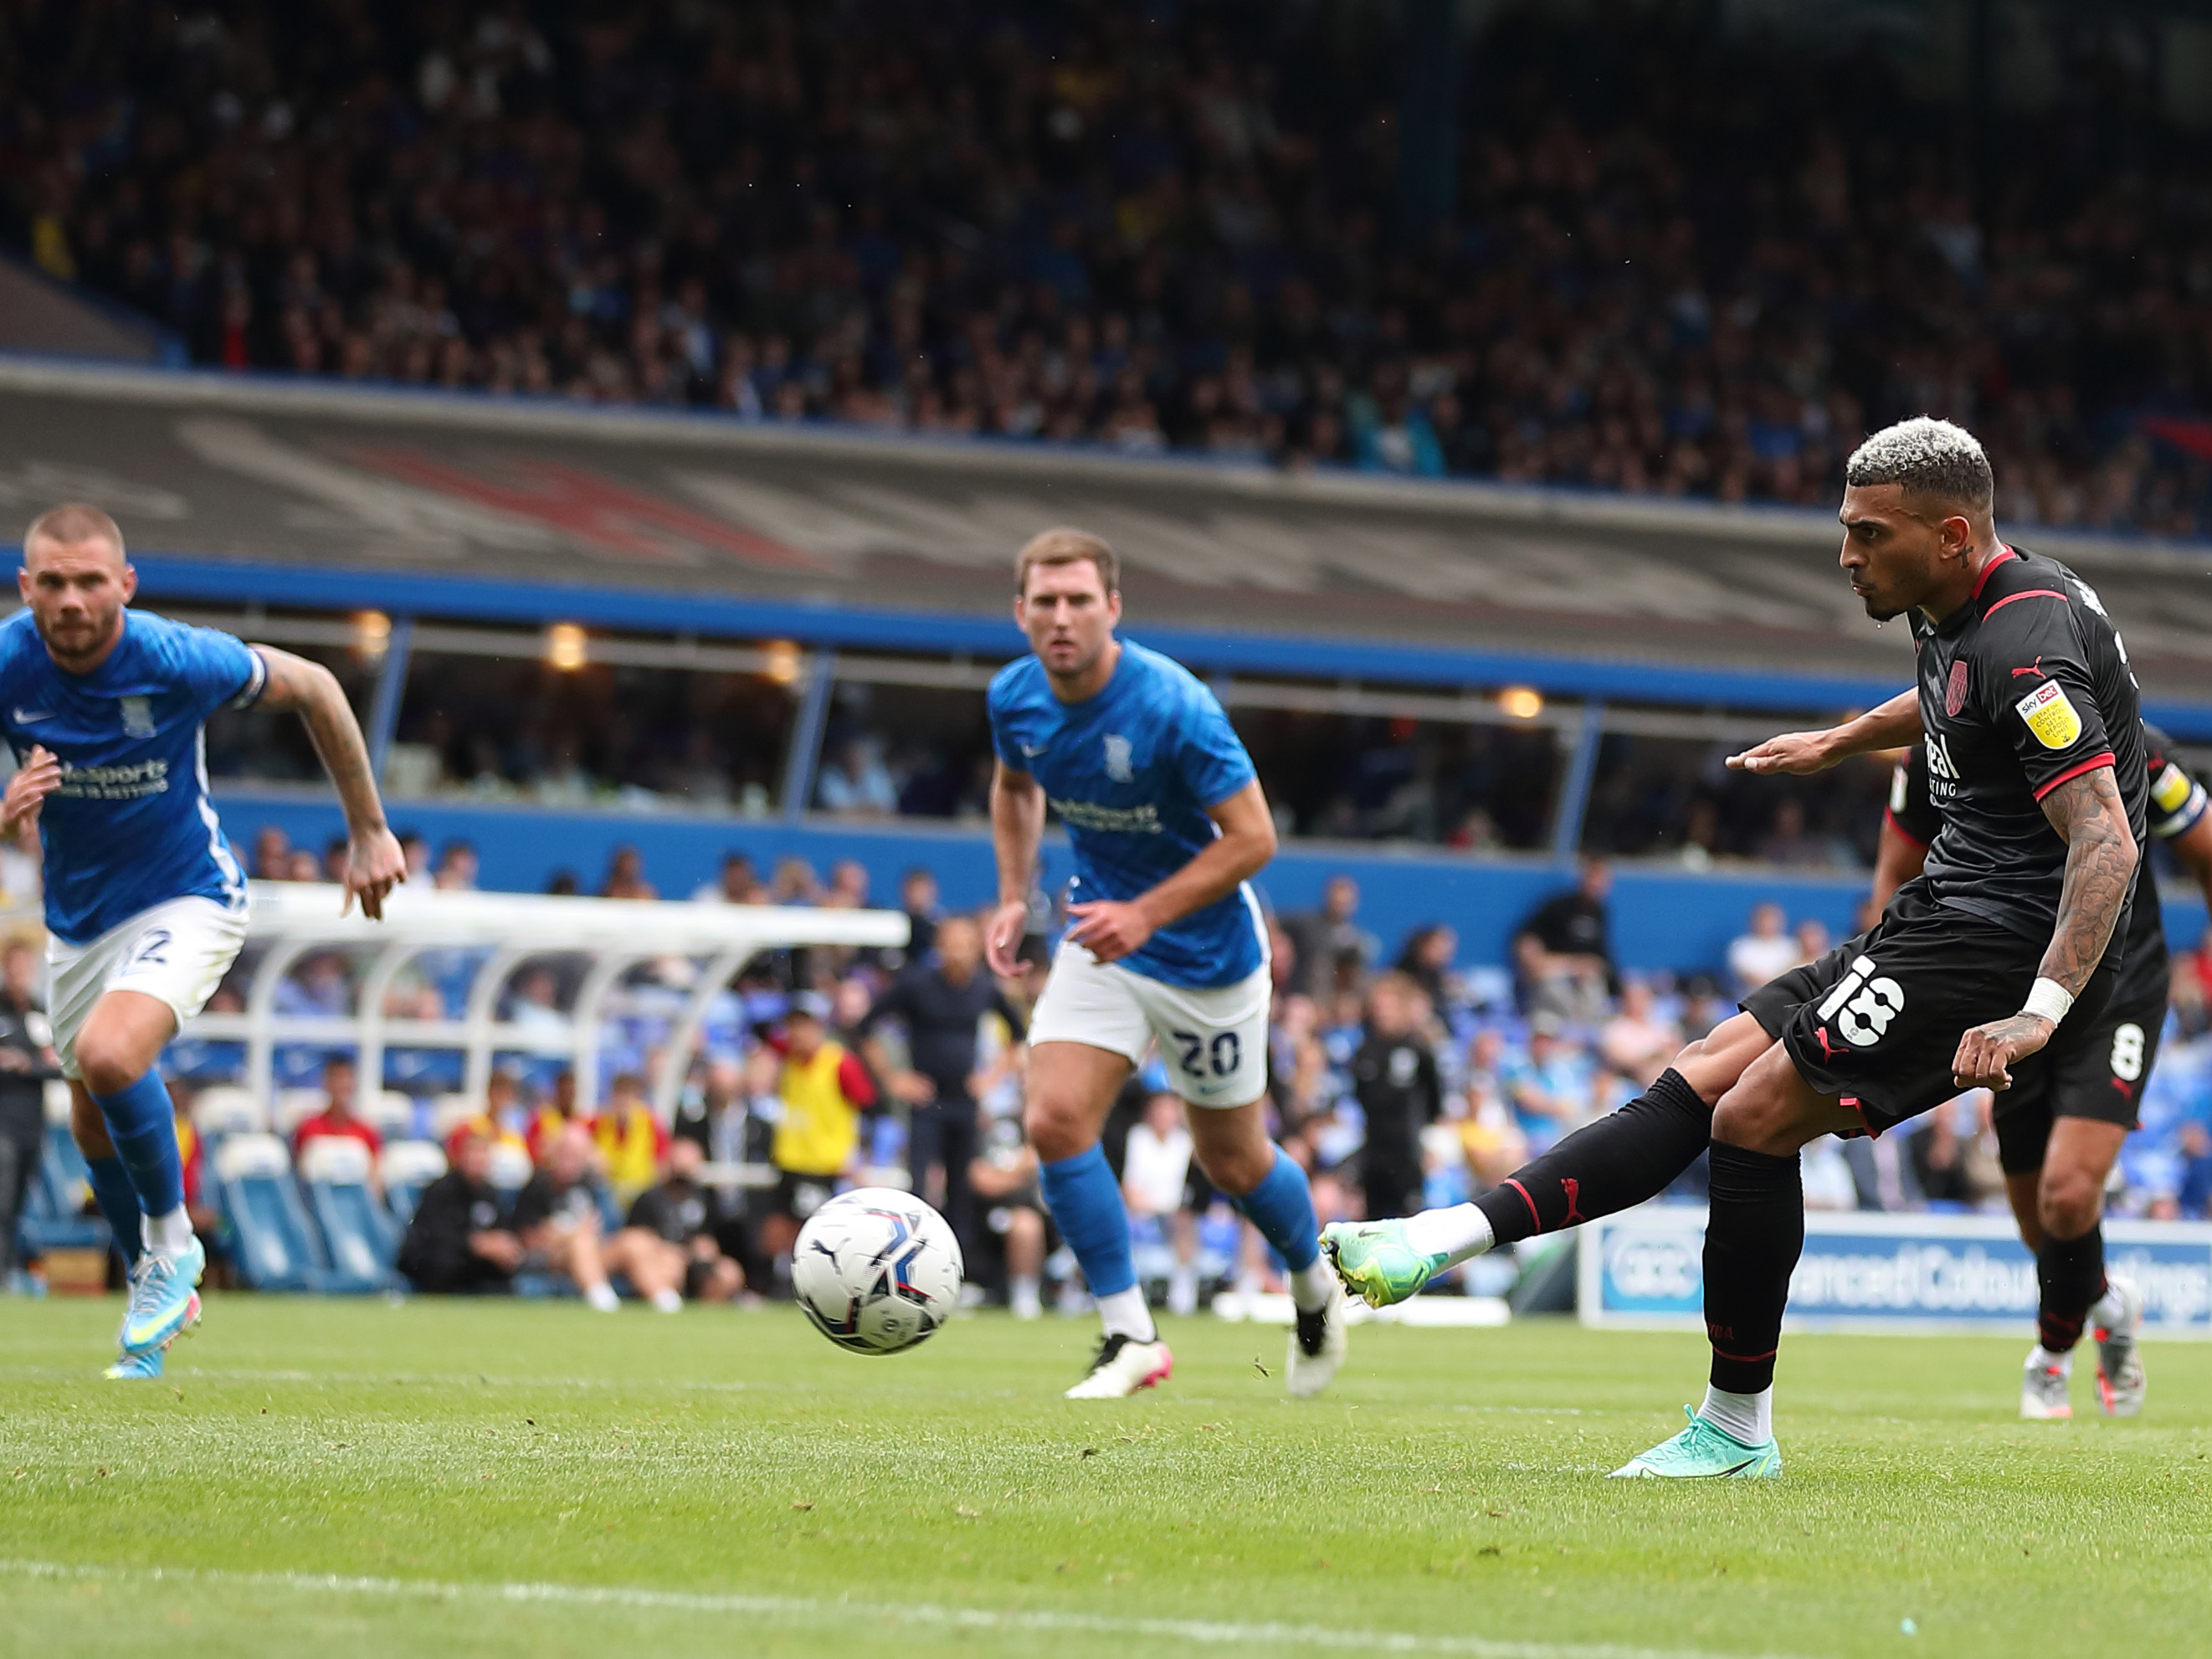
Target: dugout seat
[
  {"x": 406, "y": 1168},
  {"x": 389, "y": 1112},
  {"x": 448, "y": 1112},
  {"x": 52, "y": 1217},
  {"x": 294, "y": 1107},
  {"x": 360, "y": 1239},
  {"x": 226, "y": 1110},
  {"x": 278, "y": 1249}
]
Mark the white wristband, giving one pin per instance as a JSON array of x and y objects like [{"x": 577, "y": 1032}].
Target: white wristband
[{"x": 2048, "y": 998}]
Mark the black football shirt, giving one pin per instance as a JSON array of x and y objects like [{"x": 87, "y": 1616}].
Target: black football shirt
[{"x": 2023, "y": 688}]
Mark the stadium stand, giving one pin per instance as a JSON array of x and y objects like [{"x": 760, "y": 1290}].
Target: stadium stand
[{"x": 1665, "y": 261}]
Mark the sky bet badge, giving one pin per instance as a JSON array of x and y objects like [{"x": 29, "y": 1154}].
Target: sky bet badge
[{"x": 2050, "y": 716}]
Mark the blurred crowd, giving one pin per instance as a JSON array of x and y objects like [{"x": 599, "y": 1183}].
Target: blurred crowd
[
  {"x": 1400, "y": 1079},
  {"x": 1672, "y": 259}
]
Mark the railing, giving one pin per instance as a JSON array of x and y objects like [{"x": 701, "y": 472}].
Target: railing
[{"x": 295, "y": 920}]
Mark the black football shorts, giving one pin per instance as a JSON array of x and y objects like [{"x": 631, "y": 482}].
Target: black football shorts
[
  {"x": 2100, "y": 1077},
  {"x": 1876, "y": 1021}
]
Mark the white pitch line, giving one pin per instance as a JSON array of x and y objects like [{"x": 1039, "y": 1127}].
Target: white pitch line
[{"x": 819, "y": 1609}]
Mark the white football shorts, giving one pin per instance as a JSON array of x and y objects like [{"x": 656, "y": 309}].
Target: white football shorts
[
  {"x": 1213, "y": 1038},
  {"x": 177, "y": 951}
]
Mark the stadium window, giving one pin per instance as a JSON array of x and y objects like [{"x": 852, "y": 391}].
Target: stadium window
[
  {"x": 904, "y": 749},
  {"x": 611, "y": 731},
  {"x": 1473, "y": 786},
  {"x": 256, "y": 744},
  {"x": 1665, "y": 796}
]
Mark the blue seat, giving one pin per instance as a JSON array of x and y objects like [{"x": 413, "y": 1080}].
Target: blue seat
[
  {"x": 52, "y": 1217},
  {"x": 361, "y": 1241},
  {"x": 406, "y": 1168},
  {"x": 277, "y": 1247}
]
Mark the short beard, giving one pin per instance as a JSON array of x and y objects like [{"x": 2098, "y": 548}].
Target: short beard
[{"x": 1881, "y": 616}]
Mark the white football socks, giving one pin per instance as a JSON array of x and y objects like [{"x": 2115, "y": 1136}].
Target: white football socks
[
  {"x": 167, "y": 1235},
  {"x": 1312, "y": 1284},
  {"x": 602, "y": 1296},
  {"x": 1124, "y": 1313},
  {"x": 1748, "y": 1418},
  {"x": 2044, "y": 1360},
  {"x": 1022, "y": 1298},
  {"x": 668, "y": 1301},
  {"x": 1459, "y": 1233}
]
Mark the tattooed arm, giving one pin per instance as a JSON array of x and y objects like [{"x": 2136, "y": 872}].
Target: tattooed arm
[
  {"x": 2100, "y": 861},
  {"x": 374, "y": 860}
]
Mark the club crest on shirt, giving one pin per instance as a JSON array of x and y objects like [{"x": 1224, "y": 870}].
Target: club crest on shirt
[
  {"x": 1954, "y": 694},
  {"x": 138, "y": 716},
  {"x": 1120, "y": 765},
  {"x": 2050, "y": 716}
]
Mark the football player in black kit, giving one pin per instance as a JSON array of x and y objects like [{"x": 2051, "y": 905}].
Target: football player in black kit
[
  {"x": 2035, "y": 733},
  {"x": 2058, "y": 1138}
]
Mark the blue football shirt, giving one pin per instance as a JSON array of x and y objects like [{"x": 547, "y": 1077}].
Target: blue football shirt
[
  {"x": 1131, "y": 772},
  {"x": 130, "y": 825}
]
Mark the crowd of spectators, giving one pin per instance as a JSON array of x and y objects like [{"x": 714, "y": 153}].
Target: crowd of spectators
[{"x": 1672, "y": 260}]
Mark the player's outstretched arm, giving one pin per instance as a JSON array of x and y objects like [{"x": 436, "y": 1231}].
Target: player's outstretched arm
[
  {"x": 1016, "y": 829},
  {"x": 1110, "y": 930},
  {"x": 1892, "y": 725},
  {"x": 2100, "y": 862},
  {"x": 374, "y": 863}
]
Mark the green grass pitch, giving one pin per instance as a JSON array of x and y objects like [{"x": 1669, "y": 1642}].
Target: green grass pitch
[{"x": 334, "y": 1478}]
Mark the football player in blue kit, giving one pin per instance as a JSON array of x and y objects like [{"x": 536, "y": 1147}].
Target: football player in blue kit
[
  {"x": 145, "y": 903},
  {"x": 1166, "y": 821}
]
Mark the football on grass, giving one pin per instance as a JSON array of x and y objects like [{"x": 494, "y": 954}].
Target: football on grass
[{"x": 877, "y": 1270}]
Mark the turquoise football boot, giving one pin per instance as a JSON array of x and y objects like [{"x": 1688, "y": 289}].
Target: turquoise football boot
[{"x": 1702, "y": 1452}]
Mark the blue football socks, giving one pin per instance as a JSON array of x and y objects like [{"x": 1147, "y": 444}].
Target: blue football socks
[
  {"x": 143, "y": 1123},
  {"x": 1086, "y": 1206},
  {"x": 1281, "y": 1208},
  {"x": 119, "y": 1205}
]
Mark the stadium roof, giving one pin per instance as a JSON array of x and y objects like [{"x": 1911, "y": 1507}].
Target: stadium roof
[{"x": 312, "y": 493}]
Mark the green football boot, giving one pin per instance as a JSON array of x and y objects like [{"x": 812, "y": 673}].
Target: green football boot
[
  {"x": 1702, "y": 1452},
  {"x": 1376, "y": 1263}
]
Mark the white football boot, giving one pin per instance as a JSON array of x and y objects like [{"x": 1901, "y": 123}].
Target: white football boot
[
  {"x": 1124, "y": 1366},
  {"x": 2043, "y": 1397},
  {"x": 2120, "y": 1363},
  {"x": 1319, "y": 1341}
]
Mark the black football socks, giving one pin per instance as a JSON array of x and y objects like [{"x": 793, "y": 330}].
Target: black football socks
[
  {"x": 1753, "y": 1240},
  {"x": 2070, "y": 1273},
  {"x": 1604, "y": 1167}
]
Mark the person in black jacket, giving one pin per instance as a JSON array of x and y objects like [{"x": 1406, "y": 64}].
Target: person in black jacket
[
  {"x": 27, "y": 1061},
  {"x": 460, "y": 1239},
  {"x": 680, "y": 1213},
  {"x": 1394, "y": 1078},
  {"x": 941, "y": 1002}
]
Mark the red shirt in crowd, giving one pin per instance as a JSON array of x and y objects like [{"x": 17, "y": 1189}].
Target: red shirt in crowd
[{"x": 324, "y": 1124}]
